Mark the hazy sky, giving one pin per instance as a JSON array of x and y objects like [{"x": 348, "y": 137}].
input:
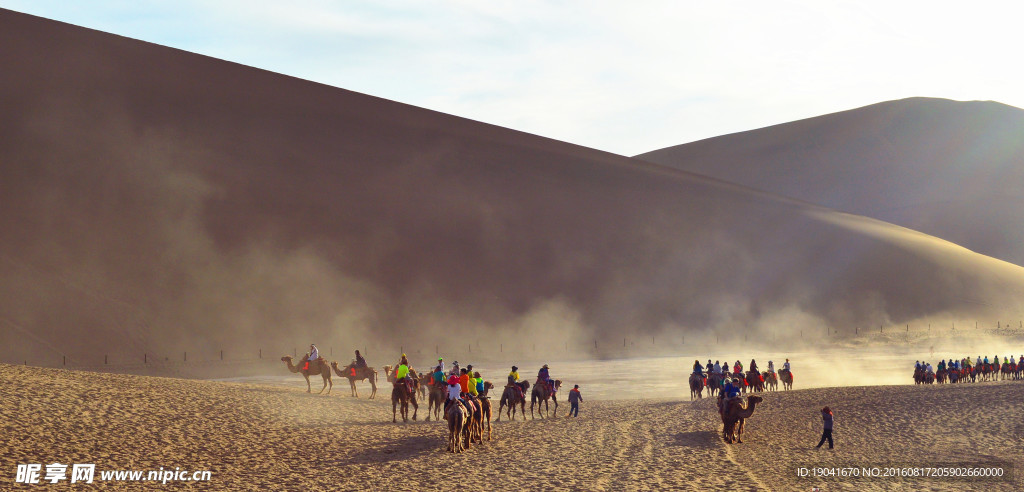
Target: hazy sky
[{"x": 626, "y": 77}]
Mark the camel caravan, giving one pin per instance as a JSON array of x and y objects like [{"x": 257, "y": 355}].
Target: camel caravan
[
  {"x": 459, "y": 396},
  {"x": 729, "y": 386},
  {"x": 313, "y": 364},
  {"x": 964, "y": 370},
  {"x": 713, "y": 377}
]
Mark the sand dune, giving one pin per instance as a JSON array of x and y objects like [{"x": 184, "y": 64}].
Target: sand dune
[
  {"x": 158, "y": 201},
  {"x": 255, "y": 437},
  {"x": 946, "y": 168}
]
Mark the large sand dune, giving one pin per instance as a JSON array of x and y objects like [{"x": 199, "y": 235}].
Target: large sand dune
[
  {"x": 158, "y": 201},
  {"x": 254, "y": 437},
  {"x": 947, "y": 168}
]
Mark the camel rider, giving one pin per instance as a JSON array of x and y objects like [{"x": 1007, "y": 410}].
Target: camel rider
[
  {"x": 544, "y": 375},
  {"x": 967, "y": 363},
  {"x": 360, "y": 361},
  {"x": 917, "y": 365},
  {"x": 942, "y": 365},
  {"x": 753, "y": 365},
  {"x": 314, "y": 354},
  {"x": 727, "y": 395},
  {"x": 737, "y": 368},
  {"x": 438, "y": 376},
  {"x": 440, "y": 363},
  {"x": 698, "y": 369},
  {"x": 996, "y": 362},
  {"x": 402, "y": 373},
  {"x": 513, "y": 377},
  {"x": 986, "y": 360},
  {"x": 977, "y": 363},
  {"x": 929, "y": 369},
  {"x": 718, "y": 368},
  {"x": 455, "y": 369},
  {"x": 771, "y": 367},
  {"x": 710, "y": 367},
  {"x": 785, "y": 366},
  {"x": 1012, "y": 362},
  {"x": 454, "y": 391},
  {"x": 470, "y": 382},
  {"x": 479, "y": 382}
]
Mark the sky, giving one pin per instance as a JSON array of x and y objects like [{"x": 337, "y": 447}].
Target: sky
[{"x": 624, "y": 77}]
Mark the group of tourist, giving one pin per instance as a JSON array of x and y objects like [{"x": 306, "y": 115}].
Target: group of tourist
[
  {"x": 955, "y": 370},
  {"x": 720, "y": 369}
]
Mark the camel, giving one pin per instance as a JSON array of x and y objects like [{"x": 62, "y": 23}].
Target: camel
[
  {"x": 732, "y": 422},
  {"x": 754, "y": 382},
  {"x": 954, "y": 375},
  {"x": 436, "y": 400},
  {"x": 696, "y": 386},
  {"x": 1008, "y": 371},
  {"x": 787, "y": 379},
  {"x": 771, "y": 381},
  {"x": 485, "y": 416},
  {"x": 318, "y": 367},
  {"x": 401, "y": 393},
  {"x": 481, "y": 415},
  {"x": 458, "y": 425},
  {"x": 540, "y": 394},
  {"x": 714, "y": 383},
  {"x": 512, "y": 396},
  {"x": 353, "y": 374},
  {"x": 424, "y": 382}
]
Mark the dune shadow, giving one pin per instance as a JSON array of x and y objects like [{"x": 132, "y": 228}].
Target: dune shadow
[{"x": 696, "y": 439}]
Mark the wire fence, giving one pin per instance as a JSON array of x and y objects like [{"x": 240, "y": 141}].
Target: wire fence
[{"x": 497, "y": 348}]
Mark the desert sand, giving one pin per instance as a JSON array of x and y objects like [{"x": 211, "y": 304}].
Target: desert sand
[{"x": 259, "y": 437}]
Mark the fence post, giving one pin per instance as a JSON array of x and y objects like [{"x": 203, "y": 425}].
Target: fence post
[
  {"x": 261, "y": 353},
  {"x": 145, "y": 358},
  {"x": 64, "y": 358},
  {"x": 104, "y": 359},
  {"x": 222, "y": 354},
  {"x": 185, "y": 359}
]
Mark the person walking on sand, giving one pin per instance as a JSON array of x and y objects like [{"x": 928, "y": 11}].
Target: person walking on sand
[
  {"x": 574, "y": 401},
  {"x": 826, "y": 417}
]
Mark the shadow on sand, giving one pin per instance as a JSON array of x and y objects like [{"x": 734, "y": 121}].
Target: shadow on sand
[
  {"x": 398, "y": 449},
  {"x": 696, "y": 439}
]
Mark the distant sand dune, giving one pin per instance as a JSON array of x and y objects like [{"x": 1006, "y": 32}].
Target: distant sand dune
[{"x": 947, "y": 168}]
